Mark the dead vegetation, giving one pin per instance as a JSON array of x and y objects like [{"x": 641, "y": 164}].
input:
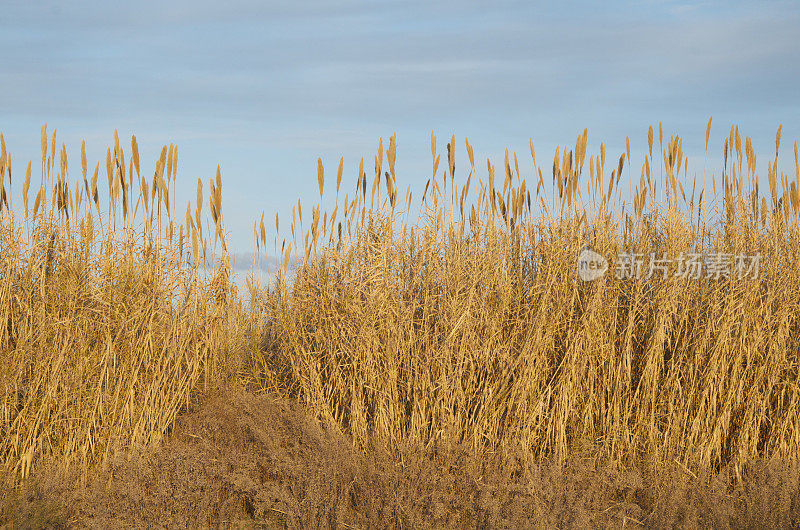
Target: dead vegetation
[
  {"x": 255, "y": 461},
  {"x": 486, "y": 384}
]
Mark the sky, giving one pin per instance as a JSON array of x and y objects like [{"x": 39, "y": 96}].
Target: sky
[{"x": 263, "y": 89}]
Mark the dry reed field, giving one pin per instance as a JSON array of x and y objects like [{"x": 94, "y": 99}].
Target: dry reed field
[{"x": 447, "y": 331}]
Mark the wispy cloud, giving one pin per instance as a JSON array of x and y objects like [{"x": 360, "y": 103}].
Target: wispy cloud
[{"x": 264, "y": 88}]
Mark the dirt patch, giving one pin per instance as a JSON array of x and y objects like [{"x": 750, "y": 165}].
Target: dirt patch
[{"x": 255, "y": 461}]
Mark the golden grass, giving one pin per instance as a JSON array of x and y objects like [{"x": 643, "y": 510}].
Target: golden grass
[
  {"x": 468, "y": 325},
  {"x": 471, "y": 326},
  {"x": 109, "y": 325}
]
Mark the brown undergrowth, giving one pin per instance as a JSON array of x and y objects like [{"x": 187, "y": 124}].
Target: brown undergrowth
[{"x": 244, "y": 460}]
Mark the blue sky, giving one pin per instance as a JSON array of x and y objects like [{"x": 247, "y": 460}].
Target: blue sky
[{"x": 264, "y": 88}]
